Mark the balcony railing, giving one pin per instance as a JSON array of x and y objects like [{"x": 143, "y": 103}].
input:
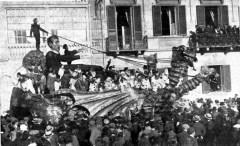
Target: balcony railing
[{"x": 18, "y": 51}]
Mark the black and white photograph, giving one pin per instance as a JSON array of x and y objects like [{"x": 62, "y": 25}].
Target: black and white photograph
[{"x": 120, "y": 72}]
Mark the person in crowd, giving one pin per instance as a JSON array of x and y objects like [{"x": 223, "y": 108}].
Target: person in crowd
[
  {"x": 82, "y": 83},
  {"x": 57, "y": 83},
  {"x": 65, "y": 79},
  {"x": 183, "y": 136},
  {"x": 145, "y": 83},
  {"x": 191, "y": 140},
  {"x": 200, "y": 129},
  {"x": 95, "y": 131},
  {"x": 73, "y": 79},
  {"x": 25, "y": 83},
  {"x": 50, "y": 136},
  {"x": 109, "y": 84},
  {"x": 51, "y": 78},
  {"x": 35, "y": 31},
  {"x": 96, "y": 85},
  {"x": 209, "y": 123}
]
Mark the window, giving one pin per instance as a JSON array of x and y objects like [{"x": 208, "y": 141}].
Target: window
[
  {"x": 124, "y": 28},
  {"x": 219, "y": 80},
  {"x": 169, "y": 20},
  {"x": 212, "y": 15},
  {"x": 20, "y": 36}
]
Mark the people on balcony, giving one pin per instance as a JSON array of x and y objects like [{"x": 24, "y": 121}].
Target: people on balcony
[{"x": 217, "y": 36}]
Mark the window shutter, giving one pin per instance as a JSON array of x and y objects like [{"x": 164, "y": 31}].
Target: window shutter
[
  {"x": 157, "y": 24},
  {"x": 24, "y": 37},
  {"x": 182, "y": 28},
  {"x": 205, "y": 86},
  {"x": 239, "y": 15},
  {"x": 201, "y": 15},
  {"x": 138, "y": 41},
  {"x": 225, "y": 78},
  {"x": 223, "y": 15},
  {"x": 112, "y": 28}
]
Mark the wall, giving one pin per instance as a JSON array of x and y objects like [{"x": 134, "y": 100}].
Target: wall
[{"x": 231, "y": 59}]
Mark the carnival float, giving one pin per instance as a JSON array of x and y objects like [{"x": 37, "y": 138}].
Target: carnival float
[{"x": 56, "y": 107}]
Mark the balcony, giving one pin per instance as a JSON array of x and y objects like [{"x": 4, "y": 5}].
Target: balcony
[
  {"x": 165, "y": 43},
  {"x": 18, "y": 51},
  {"x": 135, "y": 48}
]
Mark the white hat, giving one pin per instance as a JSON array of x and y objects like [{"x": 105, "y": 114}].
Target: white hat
[
  {"x": 237, "y": 126},
  {"x": 196, "y": 118},
  {"x": 208, "y": 116},
  {"x": 23, "y": 127},
  {"x": 48, "y": 130}
]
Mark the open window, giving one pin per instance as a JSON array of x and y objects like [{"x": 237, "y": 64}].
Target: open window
[
  {"x": 124, "y": 28},
  {"x": 169, "y": 20},
  {"x": 219, "y": 80},
  {"x": 212, "y": 15}
]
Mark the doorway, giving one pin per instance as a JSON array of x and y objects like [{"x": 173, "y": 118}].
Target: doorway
[
  {"x": 168, "y": 20},
  {"x": 211, "y": 13},
  {"x": 124, "y": 30}
]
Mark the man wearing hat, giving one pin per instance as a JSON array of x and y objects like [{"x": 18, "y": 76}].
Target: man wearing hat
[
  {"x": 199, "y": 129},
  {"x": 50, "y": 136},
  {"x": 182, "y": 137},
  {"x": 210, "y": 134},
  {"x": 191, "y": 141}
]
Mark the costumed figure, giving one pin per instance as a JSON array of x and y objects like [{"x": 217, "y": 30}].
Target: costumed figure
[
  {"x": 53, "y": 57},
  {"x": 35, "y": 30},
  {"x": 69, "y": 53},
  {"x": 34, "y": 63}
]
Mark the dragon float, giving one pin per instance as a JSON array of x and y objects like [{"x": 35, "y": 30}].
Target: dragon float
[{"x": 56, "y": 107}]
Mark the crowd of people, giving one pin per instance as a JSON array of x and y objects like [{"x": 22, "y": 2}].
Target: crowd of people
[
  {"x": 92, "y": 80},
  {"x": 217, "y": 36},
  {"x": 190, "y": 123}
]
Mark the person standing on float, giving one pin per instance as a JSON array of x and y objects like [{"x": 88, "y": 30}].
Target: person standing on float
[
  {"x": 35, "y": 30},
  {"x": 53, "y": 57}
]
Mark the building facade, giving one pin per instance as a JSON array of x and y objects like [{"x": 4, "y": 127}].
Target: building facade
[{"x": 167, "y": 23}]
